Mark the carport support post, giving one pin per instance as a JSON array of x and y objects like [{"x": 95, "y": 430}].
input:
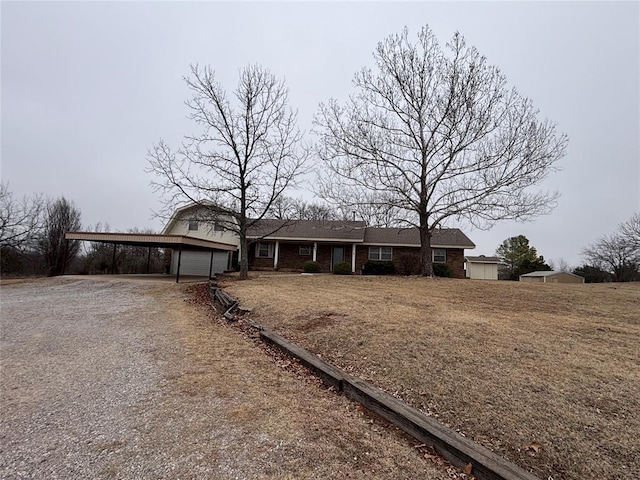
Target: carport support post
[
  {"x": 211, "y": 265},
  {"x": 148, "y": 259},
  {"x": 179, "y": 259},
  {"x": 353, "y": 258},
  {"x": 113, "y": 258}
]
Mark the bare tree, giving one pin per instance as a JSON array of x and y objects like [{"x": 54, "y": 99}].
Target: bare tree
[
  {"x": 20, "y": 220},
  {"x": 287, "y": 208},
  {"x": 630, "y": 231},
  {"x": 61, "y": 216},
  {"x": 247, "y": 155},
  {"x": 561, "y": 265},
  {"x": 436, "y": 134},
  {"x": 618, "y": 253}
]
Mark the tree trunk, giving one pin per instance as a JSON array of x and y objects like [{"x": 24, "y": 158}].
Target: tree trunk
[
  {"x": 426, "y": 265},
  {"x": 244, "y": 256}
]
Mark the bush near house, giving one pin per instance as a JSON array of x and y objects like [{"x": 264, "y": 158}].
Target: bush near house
[
  {"x": 378, "y": 268},
  {"x": 409, "y": 264},
  {"x": 342, "y": 268},
  {"x": 441, "y": 270},
  {"x": 311, "y": 267}
]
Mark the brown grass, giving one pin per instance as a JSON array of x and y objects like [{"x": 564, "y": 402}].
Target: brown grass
[
  {"x": 545, "y": 375},
  {"x": 270, "y": 418}
]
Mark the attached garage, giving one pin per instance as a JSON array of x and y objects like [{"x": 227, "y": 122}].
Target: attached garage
[
  {"x": 551, "y": 277},
  {"x": 199, "y": 263}
]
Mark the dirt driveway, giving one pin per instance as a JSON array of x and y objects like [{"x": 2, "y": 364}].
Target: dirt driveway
[{"x": 109, "y": 379}]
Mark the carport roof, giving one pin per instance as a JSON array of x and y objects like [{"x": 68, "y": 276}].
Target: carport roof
[{"x": 151, "y": 240}]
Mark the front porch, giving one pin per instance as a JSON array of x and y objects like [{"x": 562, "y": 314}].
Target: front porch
[{"x": 291, "y": 255}]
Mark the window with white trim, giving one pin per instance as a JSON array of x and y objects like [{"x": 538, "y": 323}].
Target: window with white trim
[
  {"x": 264, "y": 250},
  {"x": 193, "y": 225},
  {"x": 380, "y": 253},
  {"x": 438, "y": 255},
  {"x": 304, "y": 250}
]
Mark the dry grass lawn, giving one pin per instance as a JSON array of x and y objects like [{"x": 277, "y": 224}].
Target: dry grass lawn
[{"x": 546, "y": 375}]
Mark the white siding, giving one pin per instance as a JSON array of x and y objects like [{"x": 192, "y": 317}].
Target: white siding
[
  {"x": 205, "y": 231},
  {"x": 197, "y": 263}
]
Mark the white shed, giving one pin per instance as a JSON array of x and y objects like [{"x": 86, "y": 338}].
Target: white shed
[{"x": 482, "y": 267}]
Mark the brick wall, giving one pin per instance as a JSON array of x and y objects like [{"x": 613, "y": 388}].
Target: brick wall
[{"x": 404, "y": 257}]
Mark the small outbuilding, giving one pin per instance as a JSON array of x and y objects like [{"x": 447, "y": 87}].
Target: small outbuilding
[
  {"x": 482, "y": 267},
  {"x": 551, "y": 277}
]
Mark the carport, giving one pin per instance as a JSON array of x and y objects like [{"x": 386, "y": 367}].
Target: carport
[{"x": 151, "y": 240}]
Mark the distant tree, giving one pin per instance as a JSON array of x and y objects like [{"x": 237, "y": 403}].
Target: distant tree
[
  {"x": 248, "y": 153},
  {"x": 61, "y": 216},
  {"x": 20, "y": 220},
  {"x": 518, "y": 257},
  {"x": 619, "y": 252},
  {"x": 287, "y": 208},
  {"x": 435, "y": 134},
  {"x": 593, "y": 274},
  {"x": 560, "y": 265}
]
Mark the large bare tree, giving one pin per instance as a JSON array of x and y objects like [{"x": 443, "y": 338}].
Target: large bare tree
[
  {"x": 61, "y": 216},
  {"x": 247, "y": 154},
  {"x": 435, "y": 134}
]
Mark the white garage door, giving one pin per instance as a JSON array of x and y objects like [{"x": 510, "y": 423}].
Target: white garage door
[{"x": 197, "y": 263}]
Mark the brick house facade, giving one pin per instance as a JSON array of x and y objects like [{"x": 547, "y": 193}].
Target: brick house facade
[{"x": 295, "y": 242}]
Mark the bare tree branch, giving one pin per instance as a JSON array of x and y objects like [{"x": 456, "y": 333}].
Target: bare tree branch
[{"x": 20, "y": 220}]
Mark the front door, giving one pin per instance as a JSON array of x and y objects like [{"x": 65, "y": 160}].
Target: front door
[{"x": 337, "y": 256}]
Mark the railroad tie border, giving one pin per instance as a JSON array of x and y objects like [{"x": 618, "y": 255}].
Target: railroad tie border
[{"x": 455, "y": 448}]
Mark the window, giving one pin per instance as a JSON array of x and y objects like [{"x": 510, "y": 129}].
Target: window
[
  {"x": 380, "y": 253},
  {"x": 439, "y": 255},
  {"x": 218, "y": 226},
  {"x": 264, "y": 250},
  {"x": 193, "y": 224},
  {"x": 305, "y": 250}
]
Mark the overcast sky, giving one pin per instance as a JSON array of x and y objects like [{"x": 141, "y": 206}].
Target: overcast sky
[{"x": 88, "y": 87}]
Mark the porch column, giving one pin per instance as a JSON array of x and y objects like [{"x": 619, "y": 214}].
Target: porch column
[
  {"x": 276, "y": 253},
  {"x": 179, "y": 260},
  {"x": 353, "y": 258},
  {"x": 315, "y": 251}
]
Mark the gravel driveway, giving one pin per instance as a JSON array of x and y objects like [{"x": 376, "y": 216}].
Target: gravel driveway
[{"x": 108, "y": 379}]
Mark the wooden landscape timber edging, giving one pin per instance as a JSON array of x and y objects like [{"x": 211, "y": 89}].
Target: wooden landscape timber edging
[
  {"x": 329, "y": 374},
  {"x": 458, "y": 450}
]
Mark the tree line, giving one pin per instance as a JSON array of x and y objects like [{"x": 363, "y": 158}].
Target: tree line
[{"x": 32, "y": 241}]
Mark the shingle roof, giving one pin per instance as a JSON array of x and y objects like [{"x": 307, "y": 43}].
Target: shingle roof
[
  {"x": 443, "y": 237},
  {"x": 354, "y": 232},
  {"x": 308, "y": 229}
]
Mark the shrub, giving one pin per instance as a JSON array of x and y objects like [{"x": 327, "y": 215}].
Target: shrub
[
  {"x": 342, "y": 268},
  {"x": 441, "y": 270},
  {"x": 378, "y": 268},
  {"x": 409, "y": 264},
  {"x": 311, "y": 267}
]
